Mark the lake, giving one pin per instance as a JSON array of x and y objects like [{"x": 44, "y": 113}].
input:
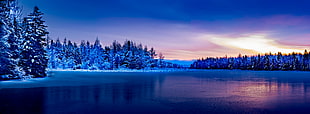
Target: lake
[{"x": 211, "y": 91}]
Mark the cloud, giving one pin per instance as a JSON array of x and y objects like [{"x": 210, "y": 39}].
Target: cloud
[{"x": 255, "y": 43}]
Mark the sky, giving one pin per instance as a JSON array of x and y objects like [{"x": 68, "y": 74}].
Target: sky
[{"x": 183, "y": 29}]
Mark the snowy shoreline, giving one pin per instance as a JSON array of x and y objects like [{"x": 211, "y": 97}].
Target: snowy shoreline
[
  {"x": 121, "y": 70},
  {"x": 163, "y": 70}
]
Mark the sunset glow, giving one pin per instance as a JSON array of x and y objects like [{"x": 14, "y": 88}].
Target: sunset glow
[{"x": 256, "y": 44}]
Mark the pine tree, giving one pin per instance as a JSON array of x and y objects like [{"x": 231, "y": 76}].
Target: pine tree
[
  {"x": 97, "y": 56},
  {"x": 116, "y": 55},
  {"x": 34, "y": 56},
  {"x": 58, "y": 54},
  {"x": 84, "y": 47},
  {"x": 77, "y": 56},
  {"x": 4, "y": 46},
  {"x": 9, "y": 39},
  {"x": 52, "y": 54},
  {"x": 161, "y": 58},
  {"x": 107, "y": 58},
  {"x": 69, "y": 55}
]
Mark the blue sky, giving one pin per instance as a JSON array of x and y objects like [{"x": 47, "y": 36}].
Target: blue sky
[{"x": 183, "y": 29}]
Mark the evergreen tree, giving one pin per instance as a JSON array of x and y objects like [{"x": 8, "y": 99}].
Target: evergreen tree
[
  {"x": 5, "y": 62},
  {"x": 34, "y": 56},
  {"x": 52, "y": 54},
  {"x": 10, "y": 37},
  {"x": 77, "y": 56},
  {"x": 59, "y": 54},
  {"x": 161, "y": 58},
  {"x": 97, "y": 56},
  {"x": 306, "y": 62},
  {"x": 84, "y": 55},
  {"x": 70, "y": 63}
]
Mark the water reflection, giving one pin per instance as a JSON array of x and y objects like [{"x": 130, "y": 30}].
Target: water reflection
[
  {"x": 240, "y": 91},
  {"x": 129, "y": 95},
  {"x": 178, "y": 92},
  {"x": 17, "y": 101}
]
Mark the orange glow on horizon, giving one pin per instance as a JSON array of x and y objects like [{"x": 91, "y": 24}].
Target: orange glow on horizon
[
  {"x": 257, "y": 44},
  {"x": 233, "y": 46}
]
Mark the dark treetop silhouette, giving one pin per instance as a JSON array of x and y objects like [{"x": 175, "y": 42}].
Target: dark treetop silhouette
[{"x": 292, "y": 61}]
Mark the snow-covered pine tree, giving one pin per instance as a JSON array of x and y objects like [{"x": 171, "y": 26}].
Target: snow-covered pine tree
[
  {"x": 70, "y": 55},
  {"x": 115, "y": 55},
  {"x": 84, "y": 48},
  {"x": 77, "y": 56},
  {"x": 107, "y": 58},
  {"x": 153, "y": 54},
  {"x": 146, "y": 58},
  {"x": 15, "y": 38},
  {"x": 34, "y": 56},
  {"x": 5, "y": 62},
  {"x": 66, "y": 55},
  {"x": 10, "y": 39},
  {"x": 126, "y": 54},
  {"x": 51, "y": 54},
  {"x": 97, "y": 56},
  {"x": 58, "y": 54},
  {"x": 140, "y": 62}
]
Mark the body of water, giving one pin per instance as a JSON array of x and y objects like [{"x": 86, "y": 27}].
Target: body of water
[{"x": 211, "y": 91}]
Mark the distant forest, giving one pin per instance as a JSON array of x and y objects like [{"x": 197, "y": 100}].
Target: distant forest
[
  {"x": 286, "y": 62},
  {"x": 129, "y": 55}
]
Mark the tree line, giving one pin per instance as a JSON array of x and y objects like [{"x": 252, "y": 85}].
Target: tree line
[
  {"x": 268, "y": 61},
  {"x": 22, "y": 42},
  {"x": 129, "y": 55}
]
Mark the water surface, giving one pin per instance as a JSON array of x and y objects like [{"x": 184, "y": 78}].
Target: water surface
[{"x": 171, "y": 92}]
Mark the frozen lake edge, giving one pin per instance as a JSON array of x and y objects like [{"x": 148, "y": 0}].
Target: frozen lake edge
[{"x": 167, "y": 70}]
